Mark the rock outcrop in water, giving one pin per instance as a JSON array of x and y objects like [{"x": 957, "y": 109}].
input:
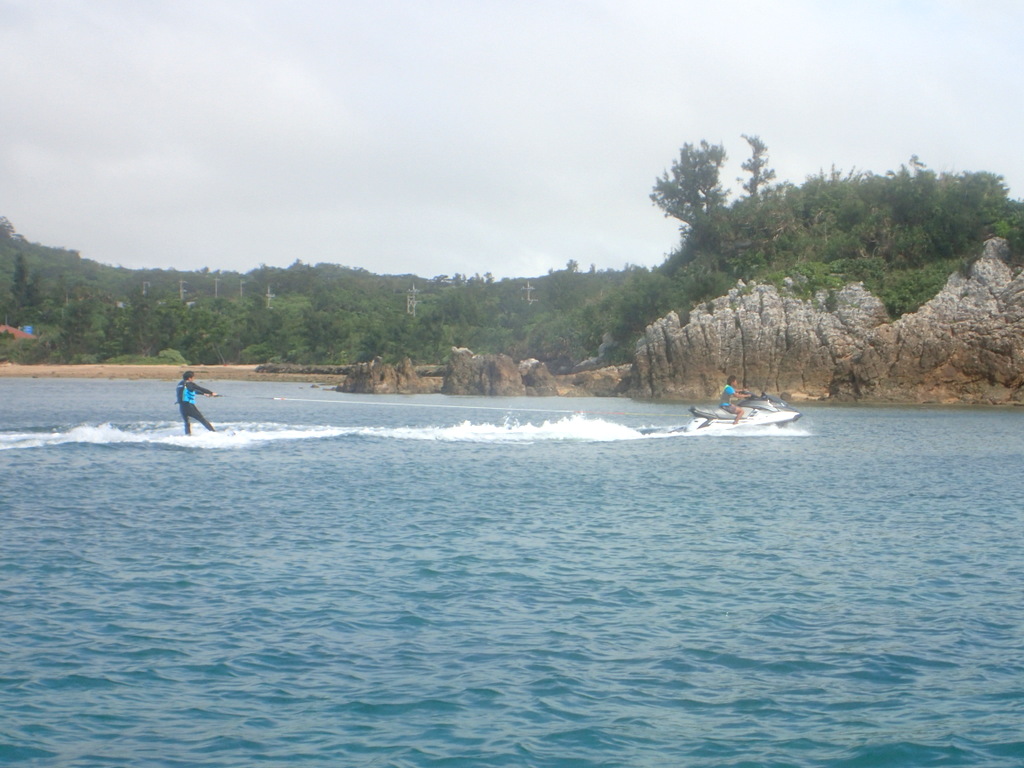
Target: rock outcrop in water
[
  {"x": 379, "y": 378},
  {"x": 470, "y": 374},
  {"x": 537, "y": 379},
  {"x": 965, "y": 345},
  {"x": 489, "y": 375},
  {"x": 372, "y": 378}
]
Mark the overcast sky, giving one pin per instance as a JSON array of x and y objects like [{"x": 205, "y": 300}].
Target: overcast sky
[{"x": 466, "y": 136}]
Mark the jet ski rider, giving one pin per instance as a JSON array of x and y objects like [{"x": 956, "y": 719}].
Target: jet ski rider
[{"x": 728, "y": 394}]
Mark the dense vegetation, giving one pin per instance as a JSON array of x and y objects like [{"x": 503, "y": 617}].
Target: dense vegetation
[{"x": 901, "y": 233}]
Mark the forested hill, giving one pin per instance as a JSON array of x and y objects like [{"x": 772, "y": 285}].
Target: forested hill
[
  {"x": 84, "y": 311},
  {"x": 901, "y": 233}
]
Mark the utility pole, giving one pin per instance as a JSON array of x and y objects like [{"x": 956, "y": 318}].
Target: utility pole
[
  {"x": 528, "y": 288},
  {"x": 216, "y": 287},
  {"x": 269, "y": 296}
]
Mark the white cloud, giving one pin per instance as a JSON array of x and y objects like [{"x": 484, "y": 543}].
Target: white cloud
[{"x": 463, "y": 136}]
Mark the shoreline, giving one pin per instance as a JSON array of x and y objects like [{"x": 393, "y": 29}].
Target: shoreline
[
  {"x": 155, "y": 372},
  {"x": 172, "y": 373}
]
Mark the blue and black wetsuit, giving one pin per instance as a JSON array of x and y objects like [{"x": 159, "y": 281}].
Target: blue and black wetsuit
[{"x": 187, "y": 390}]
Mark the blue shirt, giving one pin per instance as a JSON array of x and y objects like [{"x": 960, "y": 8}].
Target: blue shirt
[{"x": 727, "y": 394}]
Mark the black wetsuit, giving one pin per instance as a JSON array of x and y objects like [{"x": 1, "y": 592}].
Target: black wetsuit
[{"x": 187, "y": 391}]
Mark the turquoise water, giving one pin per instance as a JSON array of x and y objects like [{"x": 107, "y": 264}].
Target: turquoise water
[{"x": 335, "y": 580}]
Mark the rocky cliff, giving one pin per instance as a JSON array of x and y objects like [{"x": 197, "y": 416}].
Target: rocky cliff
[
  {"x": 379, "y": 378},
  {"x": 769, "y": 339},
  {"x": 965, "y": 345}
]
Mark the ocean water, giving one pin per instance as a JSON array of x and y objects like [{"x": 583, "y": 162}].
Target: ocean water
[{"x": 336, "y": 580}]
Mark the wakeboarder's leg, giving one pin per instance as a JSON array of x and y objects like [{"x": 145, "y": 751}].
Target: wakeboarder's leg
[{"x": 195, "y": 414}]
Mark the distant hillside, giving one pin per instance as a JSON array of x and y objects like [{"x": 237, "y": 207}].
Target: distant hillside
[{"x": 323, "y": 313}]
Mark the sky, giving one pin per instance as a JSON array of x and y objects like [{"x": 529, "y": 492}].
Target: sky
[{"x": 437, "y": 137}]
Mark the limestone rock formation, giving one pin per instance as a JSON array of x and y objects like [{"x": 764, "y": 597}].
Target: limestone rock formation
[
  {"x": 379, "y": 378},
  {"x": 601, "y": 360},
  {"x": 769, "y": 339},
  {"x": 966, "y": 344},
  {"x": 537, "y": 379},
  {"x": 469, "y": 374},
  {"x": 609, "y": 381}
]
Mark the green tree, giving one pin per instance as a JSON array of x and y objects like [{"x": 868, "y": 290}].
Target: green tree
[
  {"x": 24, "y": 294},
  {"x": 692, "y": 191},
  {"x": 757, "y": 166}
]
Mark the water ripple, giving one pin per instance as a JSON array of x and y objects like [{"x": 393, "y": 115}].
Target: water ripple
[{"x": 377, "y": 599}]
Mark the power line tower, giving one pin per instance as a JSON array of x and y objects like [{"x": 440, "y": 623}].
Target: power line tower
[
  {"x": 529, "y": 291},
  {"x": 269, "y": 296},
  {"x": 411, "y": 301}
]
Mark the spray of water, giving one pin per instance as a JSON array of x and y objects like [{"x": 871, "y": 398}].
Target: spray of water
[{"x": 574, "y": 428}]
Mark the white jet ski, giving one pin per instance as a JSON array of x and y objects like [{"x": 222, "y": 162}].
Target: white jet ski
[{"x": 757, "y": 411}]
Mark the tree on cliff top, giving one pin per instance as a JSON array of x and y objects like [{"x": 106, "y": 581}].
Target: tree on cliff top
[
  {"x": 691, "y": 192},
  {"x": 900, "y": 233},
  {"x": 757, "y": 166}
]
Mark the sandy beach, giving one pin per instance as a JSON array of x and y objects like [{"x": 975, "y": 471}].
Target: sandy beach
[{"x": 159, "y": 372}]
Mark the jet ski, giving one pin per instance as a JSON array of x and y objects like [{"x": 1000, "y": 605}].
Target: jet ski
[{"x": 757, "y": 411}]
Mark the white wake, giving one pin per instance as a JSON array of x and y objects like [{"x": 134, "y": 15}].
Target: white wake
[
  {"x": 228, "y": 435},
  {"x": 575, "y": 428}
]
